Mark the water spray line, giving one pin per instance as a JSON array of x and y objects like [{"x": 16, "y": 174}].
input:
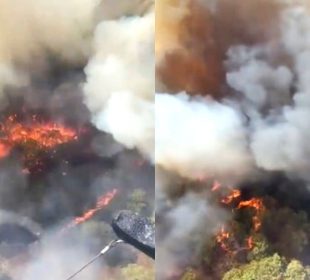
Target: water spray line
[{"x": 106, "y": 249}]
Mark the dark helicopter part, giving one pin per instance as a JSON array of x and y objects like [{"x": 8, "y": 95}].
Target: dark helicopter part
[
  {"x": 135, "y": 230},
  {"x": 130, "y": 228}
]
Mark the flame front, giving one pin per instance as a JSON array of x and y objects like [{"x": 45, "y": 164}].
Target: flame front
[
  {"x": 102, "y": 202},
  {"x": 231, "y": 197},
  {"x": 222, "y": 238},
  {"x": 43, "y": 135},
  {"x": 33, "y": 137}
]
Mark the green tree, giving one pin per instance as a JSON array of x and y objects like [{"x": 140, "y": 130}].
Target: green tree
[
  {"x": 296, "y": 271},
  {"x": 190, "y": 274},
  {"x": 260, "y": 249},
  {"x": 269, "y": 268},
  {"x": 137, "y": 272},
  {"x": 137, "y": 201}
]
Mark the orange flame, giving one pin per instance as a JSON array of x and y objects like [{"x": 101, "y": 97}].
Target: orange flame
[
  {"x": 33, "y": 137},
  {"x": 216, "y": 186},
  {"x": 4, "y": 150},
  {"x": 231, "y": 197},
  {"x": 43, "y": 135},
  {"x": 257, "y": 204},
  {"x": 250, "y": 243},
  {"x": 102, "y": 202},
  {"x": 222, "y": 237}
]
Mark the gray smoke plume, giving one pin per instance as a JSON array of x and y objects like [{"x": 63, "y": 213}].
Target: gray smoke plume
[
  {"x": 30, "y": 31},
  {"x": 183, "y": 225},
  {"x": 279, "y": 138}
]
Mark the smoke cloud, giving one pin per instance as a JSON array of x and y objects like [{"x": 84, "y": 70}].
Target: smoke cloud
[
  {"x": 236, "y": 103},
  {"x": 199, "y": 137},
  {"x": 120, "y": 81},
  {"x": 88, "y": 64},
  {"x": 263, "y": 113},
  {"x": 278, "y": 141},
  {"x": 29, "y": 32},
  {"x": 179, "y": 242},
  {"x": 120, "y": 74}
]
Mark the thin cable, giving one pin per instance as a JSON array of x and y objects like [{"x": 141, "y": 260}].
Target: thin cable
[
  {"x": 83, "y": 267},
  {"x": 103, "y": 251}
]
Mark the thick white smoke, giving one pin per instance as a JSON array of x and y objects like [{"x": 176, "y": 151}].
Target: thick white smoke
[
  {"x": 120, "y": 81},
  {"x": 199, "y": 137}
]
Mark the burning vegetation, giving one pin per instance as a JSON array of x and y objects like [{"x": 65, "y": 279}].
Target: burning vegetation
[
  {"x": 256, "y": 204},
  {"x": 232, "y": 82},
  {"x": 76, "y": 134},
  {"x": 34, "y": 138},
  {"x": 102, "y": 202}
]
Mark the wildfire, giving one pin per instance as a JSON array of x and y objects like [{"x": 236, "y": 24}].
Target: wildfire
[
  {"x": 231, "y": 197},
  {"x": 223, "y": 236},
  {"x": 216, "y": 186},
  {"x": 250, "y": 242},
  {"x": 4, "y": 150},
  {"x": 102, "y": 202},
  {"x": 258, "y": 205},
  {"x": 44, "y": 135},
  {"x": 33, "y": 137}
]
